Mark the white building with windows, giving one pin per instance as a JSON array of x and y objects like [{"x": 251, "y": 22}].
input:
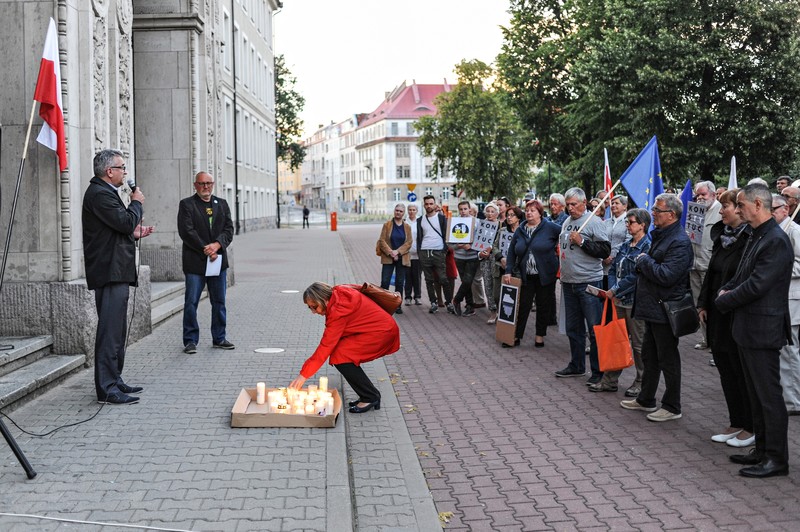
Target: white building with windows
[{"x": 380, "y": 164}]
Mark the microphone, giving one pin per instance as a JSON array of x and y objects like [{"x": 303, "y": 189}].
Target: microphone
[{"x": 132, "y": 184}]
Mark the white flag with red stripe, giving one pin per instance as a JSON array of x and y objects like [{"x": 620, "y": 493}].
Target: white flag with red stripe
[
  {"x": 607, "y": 184},
  {"x": 48, "y": 94}
]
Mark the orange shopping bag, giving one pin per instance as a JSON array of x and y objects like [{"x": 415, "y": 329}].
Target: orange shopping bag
[{"x": 613, "y": 347}]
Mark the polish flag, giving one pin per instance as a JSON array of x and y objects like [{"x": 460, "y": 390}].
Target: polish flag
[
  {"x": 48, "y": 94},
  {"x": 607, "y": 184}
]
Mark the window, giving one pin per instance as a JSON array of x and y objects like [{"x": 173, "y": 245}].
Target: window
[
  {"x": 428, "y": 191},
  {"x": 228, "y": 130},
  {"x": 402, "y": 150},
  {"x": 238, "y": 136},
  {"x": 394, "y": 129},
  {"x": 403, "y": 172},
  {"x": 396, "y": 194},
  {"x": 237, "y": 64},
  {"x": 428, "y": 170},
  {"x": 409, "y": 128},
  {"x": 445, "y": 193},
  {"x": 228, "y": 42}
]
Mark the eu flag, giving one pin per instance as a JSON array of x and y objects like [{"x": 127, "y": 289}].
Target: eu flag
[
  {"x": 686, "y": 196},
  {"x": 642, "y": 179}
]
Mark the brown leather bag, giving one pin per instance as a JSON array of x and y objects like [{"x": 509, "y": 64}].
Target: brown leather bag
[{"x": 387, "y": 300}]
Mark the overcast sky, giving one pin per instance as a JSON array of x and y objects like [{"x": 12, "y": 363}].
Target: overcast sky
[{"x": 346, "y": 54}]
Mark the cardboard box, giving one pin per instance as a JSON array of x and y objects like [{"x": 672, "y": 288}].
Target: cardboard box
[{"x": 246, "y": 413}]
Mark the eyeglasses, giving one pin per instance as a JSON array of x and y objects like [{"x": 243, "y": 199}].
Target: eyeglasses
[
  {"x": 123, "y": 168},
  {"x": 656, "y": 209},
  {"x": 778, "y": 207},
  {"x": 631, "y": 222},
  {"x": 204, "y": 184}
]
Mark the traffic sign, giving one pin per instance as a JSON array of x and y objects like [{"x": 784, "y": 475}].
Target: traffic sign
[{"x": 412, "y": 196}]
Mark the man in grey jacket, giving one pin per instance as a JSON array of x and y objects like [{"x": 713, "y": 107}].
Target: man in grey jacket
[{"x": 704, "y": 192}]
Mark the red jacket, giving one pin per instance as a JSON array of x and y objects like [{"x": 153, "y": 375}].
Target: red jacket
[{"x": 357, "y": 330}]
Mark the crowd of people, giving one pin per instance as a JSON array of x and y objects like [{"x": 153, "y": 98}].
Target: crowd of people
[{"x": 742, "y": 273}]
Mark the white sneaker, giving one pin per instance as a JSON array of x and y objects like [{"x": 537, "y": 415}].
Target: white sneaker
[
  {"x": 663, "y": 415},
  {"x": 701, "y": 345},
  {"x": 633, "y": 404}
]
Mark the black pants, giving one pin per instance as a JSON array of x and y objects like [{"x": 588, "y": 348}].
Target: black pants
[
  {"x": 734, "y": 387},
  {"x": 414, "y": 280},
  {"x": 359, "y": 382},
  {"x": 305, "y": 222},
  {"x": 770, "y": 420},
  {"x": 545, "y": 305},
  {"x": 466, "y": 271},
  {"x": 660, "y": 355},
  {"x": 109, "y": 344},
  {"x": 434, "y": 267}
]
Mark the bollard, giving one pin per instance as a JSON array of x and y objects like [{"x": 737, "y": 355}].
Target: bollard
[{"x": 333, "y": 221}]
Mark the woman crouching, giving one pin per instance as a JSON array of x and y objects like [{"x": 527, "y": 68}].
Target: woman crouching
[{"x": 357, "y": 330}]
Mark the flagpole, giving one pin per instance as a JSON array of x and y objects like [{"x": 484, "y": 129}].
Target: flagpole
[
  {"x": 16, "y": 197},
  {"x": 594, "y": 212}
]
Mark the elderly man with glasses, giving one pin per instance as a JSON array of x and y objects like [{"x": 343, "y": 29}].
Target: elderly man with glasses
[
  {"x": 205, "y": 226},
  {"x": 792, "y": 196},
  {"x": 663, "y": 275}
]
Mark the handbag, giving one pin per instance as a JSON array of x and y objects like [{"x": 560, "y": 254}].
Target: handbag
[
  {"x": 387, "y": 300},
  {"x": 613, "y": 347},
  {"x": 681, "y": 315}
]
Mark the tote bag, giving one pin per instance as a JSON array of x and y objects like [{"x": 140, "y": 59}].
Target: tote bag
[{"x": 613, "y": 347}]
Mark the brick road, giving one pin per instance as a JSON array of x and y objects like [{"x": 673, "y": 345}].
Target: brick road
[{"x": 507, "y": 446}]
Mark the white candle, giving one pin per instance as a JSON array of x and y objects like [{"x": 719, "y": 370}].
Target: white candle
[
  {"x": 309, "y": 409},
  {"x": 261, "y": 393},
  {"x": 312, "y": 388},
  {"x": 273, "y": 407},
  {"x": 329, "y": 406},
  {"x": 323, "y": 384}
]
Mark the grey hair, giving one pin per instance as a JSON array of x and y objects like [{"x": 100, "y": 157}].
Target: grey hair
[
  {"x": 640, "y": 215},
  {"x": 757, "y": 191},
  {"x": 673, "y": 203},
  {"x": 104, "y": 160},
  {"x": 757, "y": 181},
  {"x": 780, "y": 200},
  {"x": 319, "y": 293},
  {"x": 403, "y": 205},
  {"x": 622, "y": 199},
  {"x": 559, "y": 198},
  {"x": 576, "y": 193},
  {"x": 707, "y": 185}
]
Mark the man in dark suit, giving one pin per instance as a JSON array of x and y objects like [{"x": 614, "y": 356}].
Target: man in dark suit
[
  {"x": 110, "y": 257},
  {"x": 205, "y": 226},
  {"x": 758, "y": 296}
]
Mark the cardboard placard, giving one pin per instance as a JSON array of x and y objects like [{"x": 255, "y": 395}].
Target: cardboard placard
[
  {"x": 695, "y": 220},
  {"x": 485, "y": 232},
  {"x": 460, "y": 230},
  {"x": 246, "y": 413},
  {"x": 507, "y": 311}
]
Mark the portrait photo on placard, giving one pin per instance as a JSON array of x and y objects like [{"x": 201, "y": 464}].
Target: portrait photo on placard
[{"x": 507, "y": 309}]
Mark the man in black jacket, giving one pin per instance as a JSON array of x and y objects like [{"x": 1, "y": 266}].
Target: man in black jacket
[
  {"x": 758, "y": 296},
  {"x": 110, "y": 257},
  {"x": 205, "y": 226},
  {"x": 663, "y": 276}
]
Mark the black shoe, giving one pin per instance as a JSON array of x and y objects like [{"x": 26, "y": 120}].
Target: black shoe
[
  {"x": 225, "y": 345},
  {"x": 399, "y": 310},
  {"x": 594, "y": 379},
  {"x": 190, "y": 349},
  {"x": 767, "y": 468},
  {"x": 538, "y": 344},
  {"x": 751, "y": 458},
  {"x": 355, "y": 409},
  {"x": 456, "y": 308},
  {"x": 569, "y": 372},
  {"x": 118, "y": 399},
  {"x": 124, "y": 388},
  {"x": 507, "y": 346},
  {"x": 469, "y": 311},
  {"x": 354, "y": 403}
]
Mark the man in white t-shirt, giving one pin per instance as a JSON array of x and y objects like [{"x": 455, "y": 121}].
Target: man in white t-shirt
[{"x": 432, "y": 251}]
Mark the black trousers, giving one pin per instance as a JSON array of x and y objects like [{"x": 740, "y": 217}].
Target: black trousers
[
  {"x": 466, "y": 271},
  {"x": 433, "y": 264},
  {"x": 359, "y": 382},
  {"x": 109, "y": 344},
  {"x": 414, "y": 280},
  {"x": 762, "y": 374},
  {"x": 545, "y": 305},
  {"x": 660, "y": 355},
  {"x": 734, "y": 387}
]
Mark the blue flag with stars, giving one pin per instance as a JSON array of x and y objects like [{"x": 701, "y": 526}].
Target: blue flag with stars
[
  {"x": 686, "y": 196},
  {"x": 642, "y": 179}
]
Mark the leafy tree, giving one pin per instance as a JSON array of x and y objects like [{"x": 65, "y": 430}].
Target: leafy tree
[
  {"x": 710, "y": 78},
  {"x": 477, "y": 135},
  {"x": 288, "y": 105}
]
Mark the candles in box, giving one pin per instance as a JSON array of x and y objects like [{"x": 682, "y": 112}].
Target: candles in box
[
  {"x": 314, "y": 401},
  {"x": 323, "y": 384}
]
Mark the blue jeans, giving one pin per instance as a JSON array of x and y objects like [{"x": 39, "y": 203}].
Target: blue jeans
[
  {"x": 582, "y": 310},
  {"x": 216, "y": 294},
  {"x": 399, "y": 276}
]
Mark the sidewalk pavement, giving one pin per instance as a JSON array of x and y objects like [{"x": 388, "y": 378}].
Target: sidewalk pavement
[
  {"x": 502, "y": 444},
  {"x": 173, "y": 461}
]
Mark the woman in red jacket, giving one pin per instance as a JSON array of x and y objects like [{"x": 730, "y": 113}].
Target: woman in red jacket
[{"x": 357, "y": 330}]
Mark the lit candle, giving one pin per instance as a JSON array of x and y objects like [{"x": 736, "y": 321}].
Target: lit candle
[
  {"x": 309, "y": 409},
  {"x": 273, "y": 407},
  {"x": 312, "y": 388},
  {"x": 323, "y": 384},
  {"x": 329, "y": 406},
  {"x": 261, "y": 393},
  {"x": 283, "y": 409}
]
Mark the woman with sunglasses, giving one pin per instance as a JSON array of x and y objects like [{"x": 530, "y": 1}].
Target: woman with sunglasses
[{"x": 357, "y": 330}]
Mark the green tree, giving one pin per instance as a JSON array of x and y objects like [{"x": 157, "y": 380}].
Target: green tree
[
  {"x": 711, "y": 79},
  {"x": 288, "y": 105},
  {"x": 477, "y": 135}
]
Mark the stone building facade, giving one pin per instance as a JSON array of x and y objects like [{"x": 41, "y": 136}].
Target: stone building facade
[{"x": 152, "y": 78}]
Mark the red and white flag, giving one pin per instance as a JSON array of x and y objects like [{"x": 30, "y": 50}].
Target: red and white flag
[
  {"x": 48, "y": 94},
  {"x": 607, "y": 184}
]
